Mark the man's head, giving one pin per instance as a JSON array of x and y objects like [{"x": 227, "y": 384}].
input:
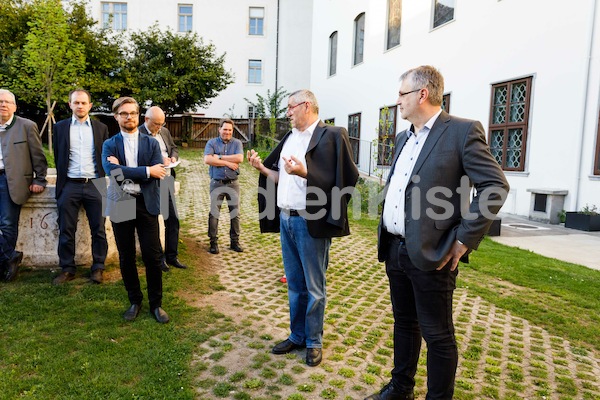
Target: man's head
[
  {"x": 80, "y": 102},
  {"x": 126, "y": 111},
  {"x": 421, "y": 92},
  {"x": 155, "y": 119},
  {"x": 226, "y": 129},
  {"x": 8, "y": 105},
  {"x": 303, "y": 109}
]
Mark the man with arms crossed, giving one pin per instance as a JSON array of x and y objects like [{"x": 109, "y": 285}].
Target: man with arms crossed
[{"x": 428, "y": 225}]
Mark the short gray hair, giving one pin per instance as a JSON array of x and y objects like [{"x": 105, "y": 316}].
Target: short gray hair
[
  {"x": 11, "y": 94},
  {"x": 428, "y": 77},
  {"x": 308, "y": 96}
]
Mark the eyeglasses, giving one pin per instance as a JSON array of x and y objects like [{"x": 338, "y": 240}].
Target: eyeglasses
[
  {"x": 290, "y": 108},
  {"x": 126, "y": 115},
  {"x": 3, "y": 102},
  {"x": 400, "y": 94},
  {"x": 157, "y": 124}
]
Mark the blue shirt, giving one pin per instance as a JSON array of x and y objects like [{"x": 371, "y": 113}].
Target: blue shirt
[
  {"x": 219, "y": 147},
  {"x": 82, "y": 163}
]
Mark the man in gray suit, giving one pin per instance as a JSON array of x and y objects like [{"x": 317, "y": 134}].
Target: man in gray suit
[
  {"x": 428, "y": 224},
  {"x": 153, "y": 125},
  {"x": 22, "y": 172}
]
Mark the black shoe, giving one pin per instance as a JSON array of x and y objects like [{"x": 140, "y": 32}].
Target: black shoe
[
  {"x": 97, "y": 276},
  {"x": 285, "y": 347},
  {"x": 313, "y": 357},
  {"x": 236, "y": 247},
  {"x": 132, "y": 313},
  {"x": 389, "y": 392},
  {"x": 63, "y": 277},
  {"x": 164, "y": 267},
  {"x": 12, "y": 266},
  {"x": 160, "y": 315},
  {"x": 176, "y": 263},
  {"x": 214, "y": 248}
]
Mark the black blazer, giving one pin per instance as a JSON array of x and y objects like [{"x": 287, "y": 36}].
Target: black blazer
[
  {"x": 61, "y": 144},
  {"x": 330, "y": 165},
  {"x": 172, "y": 149}
]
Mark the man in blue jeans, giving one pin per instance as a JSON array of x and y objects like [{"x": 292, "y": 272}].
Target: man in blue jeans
[{"x": 315, "y": 174}]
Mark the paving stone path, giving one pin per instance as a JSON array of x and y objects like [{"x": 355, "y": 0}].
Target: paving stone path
[{"x": 501, "y": 356}]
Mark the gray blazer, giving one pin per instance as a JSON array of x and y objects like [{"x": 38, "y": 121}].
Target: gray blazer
[
  {"x": 24, "y": 159},
  {"x": 172, "y": 150},
  {"x": 455, "y": 148}
]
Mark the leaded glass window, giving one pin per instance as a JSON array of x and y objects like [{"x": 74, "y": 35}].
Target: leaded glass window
[
  {"x": 387, "y": 135},
  {"x": 333, "y": 53},
  {"x": 393, "y": 23},
  {"x": 443, "y": 12},
  {"x": 354, "y": 134},
  {"x": 446, "y": 103},
  {"x": 508, "y": 123},
  {"x": 359, "y": 39}
]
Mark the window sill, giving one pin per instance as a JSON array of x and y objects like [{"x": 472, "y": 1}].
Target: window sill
[
  {"x": 521, "y": 174},
  {"x": 594, "y": 177}
]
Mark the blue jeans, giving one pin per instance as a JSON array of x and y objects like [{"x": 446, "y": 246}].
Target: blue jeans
[
  {"x": 9, "y": 215},
  {"x": 305, "y": 262}
]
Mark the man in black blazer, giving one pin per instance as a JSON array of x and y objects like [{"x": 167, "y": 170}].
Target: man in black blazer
[
  {"x": 137, "y": 159},
  {"x": 315, "y": 175},
  {"x": 77, "y": 145},
  {"x": 428, "y": 224},
  {"x": 153, "y": 125}
]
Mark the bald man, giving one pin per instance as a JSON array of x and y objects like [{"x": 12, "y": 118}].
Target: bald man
[{"x": 154, "y": 125}]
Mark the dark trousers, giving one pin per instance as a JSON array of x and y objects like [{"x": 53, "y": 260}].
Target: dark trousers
[
  {"x": 146, "y": 225},
  {"x": 220, "y": 191},
  {"x": 9, "y": 215},
  {"x": 73, "y": 196},
  {"x": 422, "y": 305},
  {"x": 171, "y": 233}
]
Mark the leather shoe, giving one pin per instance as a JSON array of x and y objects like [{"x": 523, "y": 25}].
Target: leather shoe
[
  {"x": 97, "y": 276},
  {"x": 132, "y": 313},
  {"x": 389, "y": 392},
  {"x": 63, "y": 277},
  {"x": 160, "y": 315},
  {"x": 285, "y": 347},
  {"x": 214, "y": 248},
  {"x": 236, "y": 247},
  {"x": 313, "y": 357},
  {"x": 164, "y": 267},
  {"x": 176, "y": 263},
  {"x": 12, "y": 266}
]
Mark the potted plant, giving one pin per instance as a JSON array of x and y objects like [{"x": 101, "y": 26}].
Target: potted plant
[{"x": 588, "y": 219}]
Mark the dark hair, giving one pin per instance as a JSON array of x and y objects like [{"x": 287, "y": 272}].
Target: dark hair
[
  {"x": 226, "y": 121},
  {"x": 124, "y": 100}
]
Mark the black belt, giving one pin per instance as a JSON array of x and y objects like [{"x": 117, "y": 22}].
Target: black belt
[
  {"x": 291, "y": 213},
  {"x": 224, "y": 181},
  {"x": 1, "y": 172},
  {"x": 398, "y": 239},
  {"x": 80, "y": 180}
]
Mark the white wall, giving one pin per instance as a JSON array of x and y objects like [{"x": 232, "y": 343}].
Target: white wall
[{"x": 488, "y": 42}]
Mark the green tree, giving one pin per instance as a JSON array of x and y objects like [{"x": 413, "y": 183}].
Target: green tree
[
  {"x": 174, "y": 71},
  {"x": 269, "y": 106},
  {"x": 51, "y": 63}
]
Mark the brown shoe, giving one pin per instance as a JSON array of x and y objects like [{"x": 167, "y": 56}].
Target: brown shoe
[
  {"x": 96, "y": 276},
  {"x": 313, "y": 357},
  {"x": 63, "y": 277}
]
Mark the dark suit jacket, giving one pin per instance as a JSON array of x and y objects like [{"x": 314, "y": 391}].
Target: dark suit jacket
[
  {"x": 62, "y": 145},
  {"x": 24, "y": 159},
  {"x": 172, "y": 149},
  {"x": 455, "y": 148},
  {"x": 329, "y": 165},
  {"x": 148, "y": 155}
]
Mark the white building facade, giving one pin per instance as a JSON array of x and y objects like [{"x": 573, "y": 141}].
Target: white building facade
[{"x": 529, "y": 70}]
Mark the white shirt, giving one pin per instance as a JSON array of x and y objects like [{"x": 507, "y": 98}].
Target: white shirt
[
  {"x": 131, "y": 146},
  {"x": 81, "y": 152},
  {"x": 3, "y": 129},
  {"x": 161, "y": 143},
  {"x": 291, "y": 189},
  {"x": 393, "y": 212}
]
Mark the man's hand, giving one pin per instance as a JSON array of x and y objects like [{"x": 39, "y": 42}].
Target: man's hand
[
  {"x": 113, "y": 160},
  {"x": 33, "y": 188},
  {"x": 166, "y": 161},
  {"x": 254, "y": 159},
  {"x": 158, "y": 171},
  {"x": 231, "y": 165},
  {"x": 453, "y": 256},
  {"x": 293, "y": 166}
]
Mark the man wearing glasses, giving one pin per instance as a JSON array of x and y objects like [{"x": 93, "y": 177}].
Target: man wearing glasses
[
  {"x": 137, "y": 159},
  {"x": 23, "y": 169},
  {"x": 154, "y": 125},
  {"x": 314, "y": 171},
  {"x": 78, "y": 157}
]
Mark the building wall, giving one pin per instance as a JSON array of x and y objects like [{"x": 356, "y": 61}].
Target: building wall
[{"x": 488, "y": 42}]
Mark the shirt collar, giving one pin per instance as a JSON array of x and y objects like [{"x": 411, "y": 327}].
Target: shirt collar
[
  {"x": 310, "y": 129},
  {"x": 74, "y": 121},
  {"x": 9, "y": 122},
  {"x": 130, "y": 136},
  {"x": 428, "y": 125}
]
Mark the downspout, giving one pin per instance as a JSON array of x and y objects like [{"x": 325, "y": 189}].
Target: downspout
[
  {"x": 277, "y": 51},
  {"x": 580, "y": 170}
]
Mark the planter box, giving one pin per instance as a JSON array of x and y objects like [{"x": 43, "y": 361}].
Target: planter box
[{"x": 583, "y": 222}]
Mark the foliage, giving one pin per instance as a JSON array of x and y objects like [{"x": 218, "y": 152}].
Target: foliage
[
  {"x": 590, "y": 210},
  {"x": 270, "y": 106},
  {"x": 383, "y": 146},
  {"x": 174, "y": 71}
]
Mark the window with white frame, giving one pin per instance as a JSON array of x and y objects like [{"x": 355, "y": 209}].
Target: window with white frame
[
  {"x": 333, "y": 53},
  {"x": 359, "y": 39},
  {"x": 251, "y": 112},
  {"x": 254, "y": 71},
  {"x": 185, "y": 17},
  {"x": 509, "y": 117},
  {"x": 114, "y": 15},
  {"x": 393, "y": 23},
  {"x": 256, "y": 23},
  {"x": 354, "y": 135},
  {"x": 443, "y": 12}
]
